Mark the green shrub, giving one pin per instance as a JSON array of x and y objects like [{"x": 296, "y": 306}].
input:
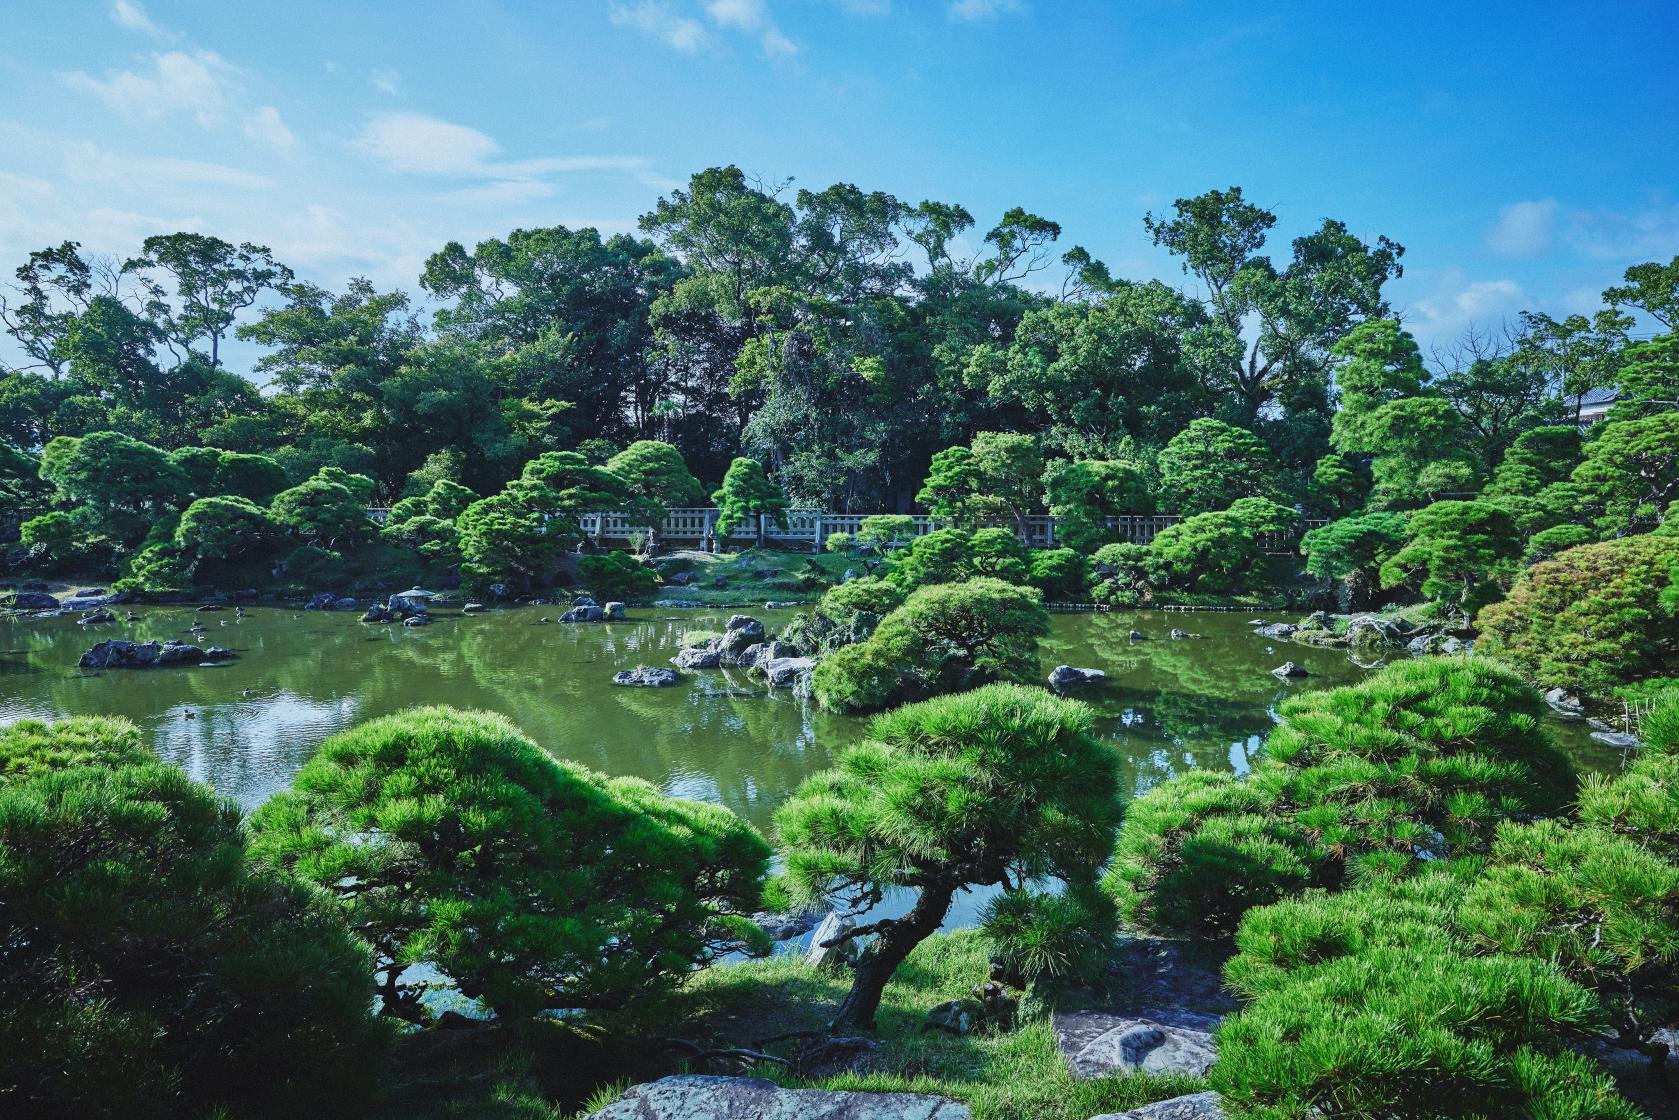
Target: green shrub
[
  {"x": 1082, "y": 496},
  {"x": 30, "y": 748},
  {"x": 1592, "y": 617},
  {"x": 617, "y": 575},
  {"x": 311, "y": 566},
  {"x": 1060, "y": 573},
  {"x": 1546, "y": 543},
  {"x": 1367, "y": 1004},
  {"x": 1419, "y": 762},
  {"x": 1217, "y": 551},
  {"x": 846, "y": 614},
  {"x": 1456, "y": 552},
  {"x": 1352, "y": 550},
  {"x": 1125, "y": 575},
  {"x": 531, "y": 883},
  {"x": 944, "y": 638},
  {"x": 1601, "y": 907},
  {"x": 147, "y": 971},
  {"x": 1004, "y": 785}
]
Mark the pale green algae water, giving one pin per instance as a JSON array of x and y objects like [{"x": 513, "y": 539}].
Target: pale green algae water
[{"x": 1167, "y": 706}]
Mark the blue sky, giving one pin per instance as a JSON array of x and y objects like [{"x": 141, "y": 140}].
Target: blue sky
[{"x": 1524, "y": 154}]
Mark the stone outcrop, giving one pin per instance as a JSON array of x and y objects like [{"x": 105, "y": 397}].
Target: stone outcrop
[
  {"x": 698, "y": 657},
  {"x": 703, "y": 1097},
  {"x": 644, "y": 677},
  {"x": 1289, "y": 669},
  {"x": 120, "y": 654},
  {"x": 587, "y": 612},
  {"x": 1196, "y": 1106},
  {"x": 1152, "y": 1041},
  {"x": 1064, "y": 677},
  {"x": 29, "y": 601},
  {"x": 786, "y": 672}
]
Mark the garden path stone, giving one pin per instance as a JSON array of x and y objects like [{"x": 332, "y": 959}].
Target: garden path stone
[
  {"x": 1196, "y": 1106},
  {"x": 702, "y": 1097}
]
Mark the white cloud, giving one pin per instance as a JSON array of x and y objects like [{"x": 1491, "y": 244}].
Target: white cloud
[
  {"x": 411, "y": 142},
  {"x": 198, "y": 82},
  {"x": 981, "y": 9},
  {"x": 752, "y": 18},
  {"x": 1651, "y": 231},
  {"x": 88, "y": 163},
  {"x": 655, "y": 18},
  {"x": 129, "y": 14},
  {"x": 1524, "y": 229},
  {"x": 1457, "y": 301},
  {"x": 266, "y": 126},
  {"x": 386, "y": 80}
]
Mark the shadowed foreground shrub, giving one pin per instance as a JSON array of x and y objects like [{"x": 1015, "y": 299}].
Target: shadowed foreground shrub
[{"x": 146, "y": 970}]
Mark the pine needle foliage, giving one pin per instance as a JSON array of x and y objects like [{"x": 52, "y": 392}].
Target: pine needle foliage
[{"x": 450, "y": 838}]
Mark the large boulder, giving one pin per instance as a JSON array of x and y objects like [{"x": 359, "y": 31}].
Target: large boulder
[
  {"x": 29, "y": 601},
  {"x": 698, "y": 657},
  {"x": 407, "y": 604},
  {"x": 762, "y": 653},
  {"x": 781, "y": 926},
  {"x": 786, "y": 672},
  {"x": 586, "y": 613},
  {"x": 821, "y": 955},
  {"x": 321, "y": 601},
  {"x": 695, "y": 1096},
  {"x": 1064, "y": 677},
  {"x": 1289, "y": 669},
  {"x": 613, "y": 612},
  {"x": 741, "y": 632},
  {"x": 117, "y": 653},
  {"x": 1153, "y": 1041},
  {"x": 644, "y": 677},
  {"x": 1277, "y": 630},
  {"x": 1196, "y": 1106}
]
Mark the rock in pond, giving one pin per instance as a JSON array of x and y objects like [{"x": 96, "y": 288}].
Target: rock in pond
[
  {"x": 1289, "y": 669},
  {"x": 1153, "y": 1041},
  {"x": 1277, "y": 630},
  {"x": 784, "y": 672},
  {"x": 1562, "y": 703},
  {"x": 321, "y": 601},
  {"x": 742, "y": 632},
  {"x": 1182, "y": 635},
  {"x": 96, "y": 617},
  {"x": 694, "y": 1096},
  {"x": 1063, "y": 677},
  {"x": 1138, "y": 636},
  {"x": 585, "y": 613},
  {"x": 1619, "y": 739},
  {"x": 415, "y": 620},
  {"x": 614, "y": 612},
  {"x": 644, "y": 677},
  {"x": 120, "y": 654},
  {"x": 474, "y": 608},
  {"x": 344, "y": 604},
  {"x": 698, "y": 657},
  {"x": 783, "y": 927},
  {"x": 1196, "y": 1106}
]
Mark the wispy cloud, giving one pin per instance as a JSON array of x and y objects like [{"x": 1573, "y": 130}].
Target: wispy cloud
[
  {"x": 198, "y": 82},
  {"x": 752, "y": 18},
  {"x": 386, "y": 80},
  {"x": 420, "y": 145},
  {"x": 968, "y": 10},
  {"x": 88, "y": 163},
  {"x": 130, "y": 14},
  {"x": 652, "y": 17},
  {"x": 1456, "y": 301},
  {"x": 1524, "y": 229},
  {"x": 1532, "y": 228},
  {"x": 265, "y": 125}
]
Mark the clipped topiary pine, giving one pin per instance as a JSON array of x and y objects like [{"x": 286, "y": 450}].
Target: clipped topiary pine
[
  {"x": 1592, "y": 617},
  {"x": 944, "y": 638},
  {"x": 1602, "y": 907},
  {"x": 1195, "y": 853},
  {"x": 531, "y": 883},
  {"x": 1368, "y": 1003},
  {"x": 1418, "y": 762},
  {"x": 30, "y": 748},
  {"x": 147, "y": 970},
  {"x": 1000, "y": 786}
]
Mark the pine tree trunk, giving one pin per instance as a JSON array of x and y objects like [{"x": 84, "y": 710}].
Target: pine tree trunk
[{"x": 882, "y": 958}]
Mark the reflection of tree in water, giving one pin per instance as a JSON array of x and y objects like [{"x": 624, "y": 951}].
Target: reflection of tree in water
[{"x": 1169, "y": 704}]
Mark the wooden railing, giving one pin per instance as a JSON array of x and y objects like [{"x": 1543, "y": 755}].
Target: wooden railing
[{"x": 813, "y": 527}]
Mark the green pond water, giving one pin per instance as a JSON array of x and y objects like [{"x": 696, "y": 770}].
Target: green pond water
[{"x": 247, "y": 726}]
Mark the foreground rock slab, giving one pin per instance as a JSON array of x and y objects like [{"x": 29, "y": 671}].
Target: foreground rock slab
[
  {"x": 120, "y": 654},
  {"x": 645, "y": 677},
  {"x": 1196, "y": 1106},
  {"x": 1064, "y": 677},
  {"x": 1153, "y": 1041},
  {"x": 699, "y": 1097}
]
